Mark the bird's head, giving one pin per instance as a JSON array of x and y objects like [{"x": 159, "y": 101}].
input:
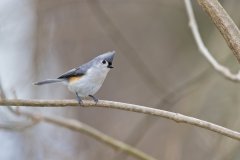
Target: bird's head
[{"x": 104, "y": 61}]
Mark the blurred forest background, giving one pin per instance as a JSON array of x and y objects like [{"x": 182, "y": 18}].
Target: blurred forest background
[{"x": 157, "y": 64}]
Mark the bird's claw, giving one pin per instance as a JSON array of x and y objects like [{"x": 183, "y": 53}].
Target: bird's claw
[
  {"x": 94, "y": 98},
  {"x": 79, "y": 100}
]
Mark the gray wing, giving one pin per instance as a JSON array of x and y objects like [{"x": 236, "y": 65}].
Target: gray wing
[
  {"x": 71, "y": 73},
  {"x": 79, "y": 71}
]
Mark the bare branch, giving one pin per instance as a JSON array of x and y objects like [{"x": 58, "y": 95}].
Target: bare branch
[
  {"x": 89, "y": 131},
  {"x": 224, "y": 23},
  {"x": 70, "y": 124},
  {"x": 224, "y": 71},
  {"x": 19, "y": 126},
  {"x": 128, "y": 107},
  {"x": 73, "y": 125}
]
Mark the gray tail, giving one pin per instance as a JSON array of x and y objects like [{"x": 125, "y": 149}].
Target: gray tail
[{"x": 47, "y": 81}]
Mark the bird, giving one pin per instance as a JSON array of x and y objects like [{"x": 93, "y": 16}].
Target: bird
[{"x": 86, "y": 79}]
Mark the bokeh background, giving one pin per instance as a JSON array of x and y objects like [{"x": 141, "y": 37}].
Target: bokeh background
[{"x": 157, "y": 65}]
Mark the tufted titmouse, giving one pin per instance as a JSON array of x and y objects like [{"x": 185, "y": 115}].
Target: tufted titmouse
[{"x": 86, "y": 79}]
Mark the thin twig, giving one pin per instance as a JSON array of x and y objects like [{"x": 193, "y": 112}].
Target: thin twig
[
  {"x": 89, "y": 131},
  {"x": 203, "y": 49},
  {"x": 19, "y": 126},
  {"x": 224, "y": 24},
  {"x": 128, "y": 107}
]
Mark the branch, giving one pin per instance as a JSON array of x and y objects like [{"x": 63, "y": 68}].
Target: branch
[
  {"x": 18, "y": 126},
  {"x": 89, "y": 131},
  {"x": 73, "y": 125},
  {"x": 224, "y": 71},
  {"x": 224, "y": 24},
  {"x": 128, "y": 107}
]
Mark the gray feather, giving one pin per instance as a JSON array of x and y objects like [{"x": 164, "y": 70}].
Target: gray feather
[
  {"x": 81, "y": 70},
  {"x": 47, "y": 81}
]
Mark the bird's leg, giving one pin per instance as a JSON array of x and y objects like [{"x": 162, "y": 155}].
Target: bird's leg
[
  {"x": 94, "y": 98},
  {"x": 79, "y": 99}
]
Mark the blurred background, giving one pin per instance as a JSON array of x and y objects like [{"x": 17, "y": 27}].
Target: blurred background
[{"x": 157, "y": 65}]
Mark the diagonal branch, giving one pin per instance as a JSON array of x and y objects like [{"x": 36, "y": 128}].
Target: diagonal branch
[
  {"x": 224, "y": 71},
  {"x": 72, "y": 125},
  {"x": 224, "y": 24},
  {"x": 89, "y": 131},
  {"x": 19, "y": 126},
  {"x": 128, "y": 107}
]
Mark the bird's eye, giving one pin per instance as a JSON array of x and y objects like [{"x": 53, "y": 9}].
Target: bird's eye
[{"x": 104, "y": 62}]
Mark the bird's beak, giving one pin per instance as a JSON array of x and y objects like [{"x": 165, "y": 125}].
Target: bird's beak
[{"x": 110, "y": 65}]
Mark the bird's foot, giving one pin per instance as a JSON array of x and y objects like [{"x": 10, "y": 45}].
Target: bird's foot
[
  {"x": 79, "y": 100},
  {"x": 94, "y": 98}
]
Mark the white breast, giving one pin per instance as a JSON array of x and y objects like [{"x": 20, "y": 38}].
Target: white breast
[{"x": 89, "y": 83}]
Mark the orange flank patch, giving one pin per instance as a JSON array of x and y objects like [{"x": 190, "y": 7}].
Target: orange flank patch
[{"x": 73, "y": 79}]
